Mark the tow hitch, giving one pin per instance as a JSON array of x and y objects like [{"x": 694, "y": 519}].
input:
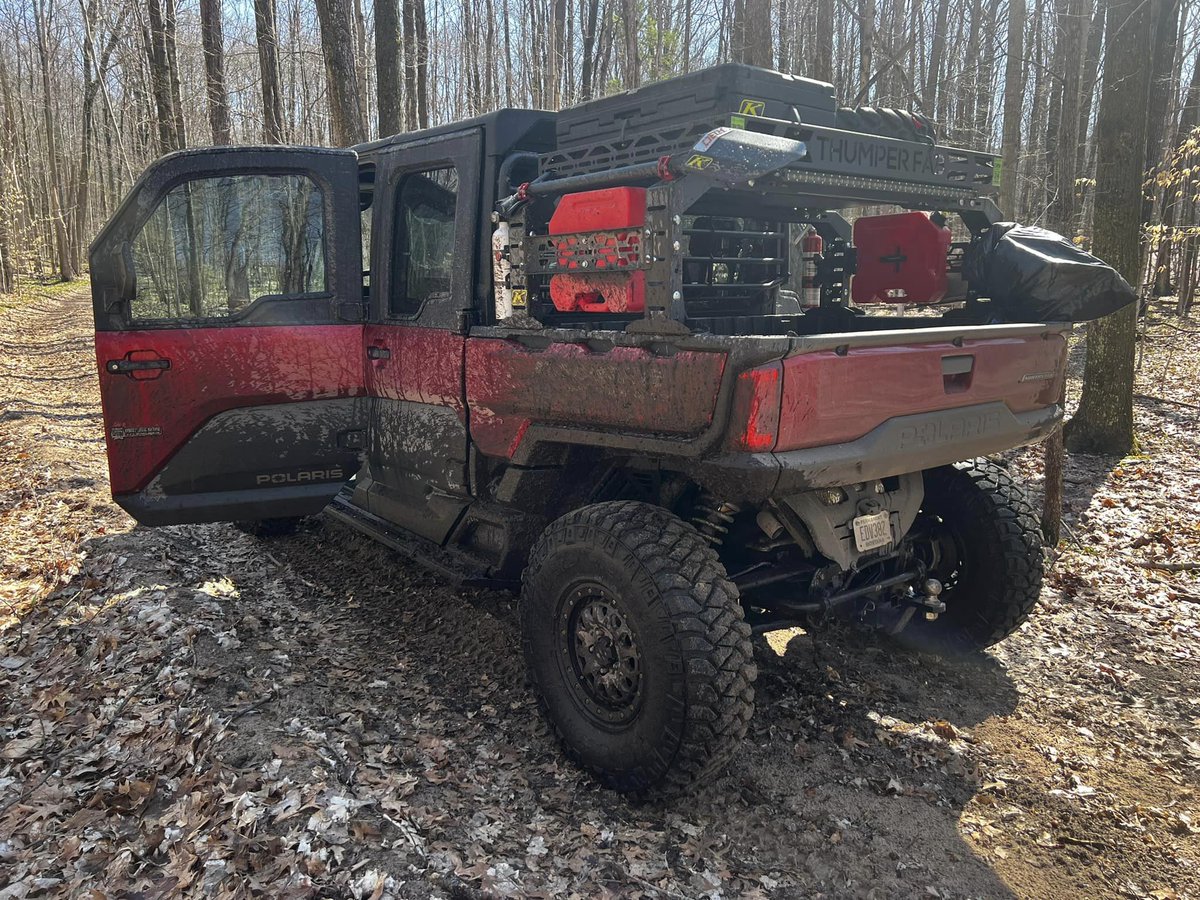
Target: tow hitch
[{"x": 928, "y": 601}]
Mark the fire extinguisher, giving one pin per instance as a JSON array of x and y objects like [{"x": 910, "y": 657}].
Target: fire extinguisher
[{"x": 810, "y": 248}]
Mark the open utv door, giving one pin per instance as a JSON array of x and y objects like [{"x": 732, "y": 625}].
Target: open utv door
[{"x": 228, "y": 300}]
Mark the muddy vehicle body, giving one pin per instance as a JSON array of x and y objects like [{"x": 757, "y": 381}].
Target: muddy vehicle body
[{"x": 615, "y": 357}]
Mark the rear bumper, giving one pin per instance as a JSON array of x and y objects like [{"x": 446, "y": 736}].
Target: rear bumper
[{"x": 902, "y": 444}]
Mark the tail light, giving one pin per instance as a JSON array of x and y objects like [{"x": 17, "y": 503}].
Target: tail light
[{"x": 756, "y": 400}]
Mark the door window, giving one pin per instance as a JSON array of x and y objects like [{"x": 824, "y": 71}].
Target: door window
[
  {"x": 213, "y": 246},
  {"x": 423, "y": 257}
]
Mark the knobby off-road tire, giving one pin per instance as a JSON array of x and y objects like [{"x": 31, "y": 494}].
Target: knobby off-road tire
[
  {"x": 269, "y": 528},
  {"x": 637, "y": 648},
  {"x": 990, "y": 557}
]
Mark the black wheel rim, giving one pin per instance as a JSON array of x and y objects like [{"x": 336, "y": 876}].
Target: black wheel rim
[
  {"x": 939, "y": 546},
  {"x": 601, "y": 652}
]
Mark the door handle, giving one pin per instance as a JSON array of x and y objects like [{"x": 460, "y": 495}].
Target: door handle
[
  {"x": 379, "y": 353},
  {"x": 138, "y": 364}
]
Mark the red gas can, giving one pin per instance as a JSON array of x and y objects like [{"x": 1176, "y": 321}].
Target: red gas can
[
  {"x": 601, "y": 236},
  {"x": 901, "y": 259},
  {"x": 605, "y": 210}
]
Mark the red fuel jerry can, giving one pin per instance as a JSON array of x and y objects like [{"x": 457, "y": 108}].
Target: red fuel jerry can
[
  {"x": 599, "y": 239},
  {"x": 901, "y": 259}
]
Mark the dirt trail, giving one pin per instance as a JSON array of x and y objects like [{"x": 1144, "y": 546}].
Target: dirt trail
[{"x": 190, "y": 712}]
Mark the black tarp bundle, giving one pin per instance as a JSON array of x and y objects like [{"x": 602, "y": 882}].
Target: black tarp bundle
[{"x": 1034, "y": 275}]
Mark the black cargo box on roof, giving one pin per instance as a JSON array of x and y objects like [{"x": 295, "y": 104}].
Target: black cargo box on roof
[{"x": 713, "y": 94}]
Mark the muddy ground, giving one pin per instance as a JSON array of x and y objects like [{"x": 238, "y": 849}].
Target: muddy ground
[{"x": 191, "y": 712}]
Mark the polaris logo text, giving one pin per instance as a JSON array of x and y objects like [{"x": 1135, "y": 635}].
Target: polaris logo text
[
  {"x": 934, "y": 434},
  {"x": 302, "y": 477}
]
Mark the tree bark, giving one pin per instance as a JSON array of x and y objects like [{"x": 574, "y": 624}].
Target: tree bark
[
  {"x": 1166, "y": 30},
  {"x": 936, "y": 52},
  {"x": 56, "y": 189},
  {"x": 172, "y": 58},
  {"x": 1068, "y": 55},
  {"x": 1087, "y": 83},
  {"x": 752, "y": 32},
  {"x": 266, "y": 36},
  {"x": 1104, "y": 422},
  {"x": 8, "y": 133},
  {"x": 554, "y": 61},
  {"x": 361, "y": 68},
  {"x": 1014, "y": 94},
  {"x": 387, "y": 66},
  {"x": 416, "y": 64},
  {"x": 1179, "y": 209},
  {"x": 212, "y": 37},
  {"x": 589, "y": 49},
  {"x": 347, "y": 122},
  {"x": 822, "y": 41},
  {"x": 866, "y": 47},
  {"x": 160, "y": 78},
  {"x": 633, "y": 62}
]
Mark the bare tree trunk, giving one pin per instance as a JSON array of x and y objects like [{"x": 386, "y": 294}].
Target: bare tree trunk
[
  {"x": 95, "y": 69},
  {"x": 1087, "y": 83},
  {"x": 168, "y": 37},
  {"x": 1178, "y": 209},
  {"x": 1104, "y": 422},
  {"x": 936, "y": 52},
  {"x": 416, "y": 64},
  {"x": 633, "y": 62},
  {"x": 866, "y": 46},
  {"x": 1054, "y": 458},
  {"x": 56, "y": 189},
  {"x": 1014, "y": 94},
  {"x": 589, "y": 49},
  {"x": 8, "y": 133},
  {"x": 752, "y": 32},
  {"x": 361, "y": 67},
  {"x": 554, "y": 63},
  {"x": 823, "y": 42},
  {"x": 387, "y": 66},
  {"x": 160, "y": 78},
  {"x": 212, "y": 36},
  {"x": 337, "y": 45},
  {"x": 267, "y": 39},
  {"x": 1068, "y": 53},
  {"x": 1166, "y": 30}
]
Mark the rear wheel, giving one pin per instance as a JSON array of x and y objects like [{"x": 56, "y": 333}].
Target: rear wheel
[
  {"x": 636, "y": 646},
  {"x": 978, "y": 534},
  {"x": 269, "y": 528}
]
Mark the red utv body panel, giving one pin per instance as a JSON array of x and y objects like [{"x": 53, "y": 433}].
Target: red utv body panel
[
  {"x": 210, "y": 371},
  {"x": 425, "y": 365},
  {"x": 830, "y": 397},
  {"x": 628, "y": 389}
]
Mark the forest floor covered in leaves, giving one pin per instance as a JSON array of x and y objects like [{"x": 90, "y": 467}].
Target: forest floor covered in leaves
[{"x": 190, "y": 712}]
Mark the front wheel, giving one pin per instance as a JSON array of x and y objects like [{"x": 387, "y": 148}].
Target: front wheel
[
  {"x": 978, "y": 534},
  {"x": 637, "y": 647}
]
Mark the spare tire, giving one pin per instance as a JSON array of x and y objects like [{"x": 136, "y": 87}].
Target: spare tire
[{"x": 887, "y": 122}]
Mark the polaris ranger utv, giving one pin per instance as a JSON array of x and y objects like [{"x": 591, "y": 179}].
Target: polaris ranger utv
[{"x": 616, "y": 356}]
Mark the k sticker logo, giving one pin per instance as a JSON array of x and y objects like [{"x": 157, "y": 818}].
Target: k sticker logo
[
  {"x": 699, "y": 161},
  {"x": 752, "y": 107},
  {"x": 519, "y": 299}
]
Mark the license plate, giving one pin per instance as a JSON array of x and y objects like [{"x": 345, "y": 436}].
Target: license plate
[{"x": 873, "y": 531}]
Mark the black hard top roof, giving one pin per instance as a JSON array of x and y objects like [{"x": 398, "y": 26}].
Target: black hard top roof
[{"x": 503, "y": 130}]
